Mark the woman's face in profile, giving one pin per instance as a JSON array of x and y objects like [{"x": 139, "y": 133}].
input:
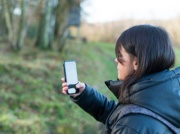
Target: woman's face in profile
[{"x": 126, "y": 64}]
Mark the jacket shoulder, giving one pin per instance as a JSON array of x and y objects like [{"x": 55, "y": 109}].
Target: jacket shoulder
[{"x": 139, "y": 124}]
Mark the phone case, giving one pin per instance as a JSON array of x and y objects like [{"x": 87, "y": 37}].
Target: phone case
[{"x": 72, "y": 73}]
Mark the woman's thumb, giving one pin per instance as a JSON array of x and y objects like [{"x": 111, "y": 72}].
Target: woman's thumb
[{"x": 80, "y": 85}]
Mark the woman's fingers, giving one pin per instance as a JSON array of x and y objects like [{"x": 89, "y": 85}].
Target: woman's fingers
[
  {"x": 80, "y": 85},
  {"x": 63, "y": 79},
  {"x": 64, "y": 84},
  {"x": 64, "y": 88}
]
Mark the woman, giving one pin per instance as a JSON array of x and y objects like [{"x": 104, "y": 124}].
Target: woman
[{"x": 144, "y": 56}]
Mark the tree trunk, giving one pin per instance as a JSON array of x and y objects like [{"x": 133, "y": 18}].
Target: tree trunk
[
  {"x": 61, "y": 29},
  {"x": 62, "y": 40},
  {"x": 8, "y": 23},
  {"x": 43, "y": 40},
  {"x": 21, "y": 31}
]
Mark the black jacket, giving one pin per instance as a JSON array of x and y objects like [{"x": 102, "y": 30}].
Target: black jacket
[{"x": 158, "y": 92}]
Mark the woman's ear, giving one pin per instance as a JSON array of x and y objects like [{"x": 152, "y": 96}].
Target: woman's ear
[{"x": 135, "y": 64}]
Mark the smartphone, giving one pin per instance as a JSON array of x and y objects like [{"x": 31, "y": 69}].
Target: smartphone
[{"x": 71, "y": 76}]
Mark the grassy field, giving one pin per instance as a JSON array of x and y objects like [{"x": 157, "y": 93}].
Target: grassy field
[
  {"x": 177, "y": 51},
  {"x": 30, "y": 88}
]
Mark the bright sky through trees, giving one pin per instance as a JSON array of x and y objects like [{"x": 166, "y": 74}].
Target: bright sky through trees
[{"x": 109, "y": 10}]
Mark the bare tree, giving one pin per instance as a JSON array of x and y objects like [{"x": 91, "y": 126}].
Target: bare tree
[
  {"x": 43, "y": 40},
  {"x": 52, "y": 15},
  {"x": 21, "y": 31},
  {"x": 8, "y": 22},
  {"x": 64, "y": 19}
]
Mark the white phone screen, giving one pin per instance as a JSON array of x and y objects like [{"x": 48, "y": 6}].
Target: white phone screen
[{"x": 71, "y": 72}]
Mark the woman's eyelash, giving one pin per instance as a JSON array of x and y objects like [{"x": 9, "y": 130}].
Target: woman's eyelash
[{"x": 120, "y": 59}]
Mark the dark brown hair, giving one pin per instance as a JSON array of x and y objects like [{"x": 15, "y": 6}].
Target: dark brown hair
[{"x": 152, "y": 47}]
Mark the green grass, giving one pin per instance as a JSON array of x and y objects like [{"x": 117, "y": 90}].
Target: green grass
[
  {"x": 30, "y": 88},
  {"x": 177, "y": 51}
]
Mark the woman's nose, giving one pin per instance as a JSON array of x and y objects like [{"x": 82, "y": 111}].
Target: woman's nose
[{"x": 116, "y": 60}]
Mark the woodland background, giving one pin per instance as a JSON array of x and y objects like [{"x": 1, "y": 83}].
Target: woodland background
[{"x": 36, "y": 36}]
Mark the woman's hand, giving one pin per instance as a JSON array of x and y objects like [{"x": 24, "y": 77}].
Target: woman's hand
[{"x": 80, "y": 85}]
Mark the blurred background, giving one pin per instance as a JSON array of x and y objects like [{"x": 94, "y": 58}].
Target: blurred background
[{"x": 36, "y": 36}]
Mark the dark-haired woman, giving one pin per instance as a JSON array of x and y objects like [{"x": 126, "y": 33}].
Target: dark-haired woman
[{"x": 144, "y": 56}]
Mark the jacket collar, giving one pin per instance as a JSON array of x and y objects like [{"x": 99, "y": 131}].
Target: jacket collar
[{"x": 114, "y": 85}]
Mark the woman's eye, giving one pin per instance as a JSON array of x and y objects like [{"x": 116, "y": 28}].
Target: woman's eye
[{"x": 120, "y": 60}]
